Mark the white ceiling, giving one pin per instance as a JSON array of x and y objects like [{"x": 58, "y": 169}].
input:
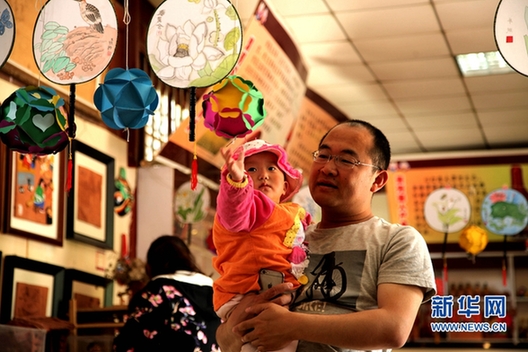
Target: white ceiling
[{"x": 391, "y": 62}]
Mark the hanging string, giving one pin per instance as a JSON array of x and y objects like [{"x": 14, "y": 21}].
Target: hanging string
[
  {"x": 504, "y": 271},
  {"x": 38, "y": 6},
  {"x": 126, "y": 20},
  {"x": 444, "y": 259},
  {"x": 192, "y": 114}
]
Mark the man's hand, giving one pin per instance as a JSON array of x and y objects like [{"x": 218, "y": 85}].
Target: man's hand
[
  {"x": 268, "y": 329},
  {"x": 230, "y": 340}
]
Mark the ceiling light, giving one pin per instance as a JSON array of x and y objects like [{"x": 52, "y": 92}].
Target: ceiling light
[{"x": 480, "y": 64}]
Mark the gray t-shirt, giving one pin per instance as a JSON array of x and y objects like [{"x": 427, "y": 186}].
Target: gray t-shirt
[{"x": 348, "y": 263}]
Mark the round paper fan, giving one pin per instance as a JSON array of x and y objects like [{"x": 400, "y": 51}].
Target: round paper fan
[
  {"x": 74, "y": 40},
  {"x": 7, "y": 31},
  {"x": 194, "y": 43}
]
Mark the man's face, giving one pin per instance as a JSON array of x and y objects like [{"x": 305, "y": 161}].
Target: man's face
[{"x": 339, "y": 190}]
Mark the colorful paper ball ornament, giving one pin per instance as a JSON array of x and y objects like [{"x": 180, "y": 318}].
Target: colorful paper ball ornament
[
  {"x": 473, "y": 239},
  {"x": 233, "y": 108},
  {"x": 32, "y": 121},
  {"x": 126, "y": 99}
]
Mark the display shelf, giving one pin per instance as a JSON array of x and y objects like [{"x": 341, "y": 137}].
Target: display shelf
[
  {"x": 481, "y": 276},
  {"x": 97, "y": 321}
]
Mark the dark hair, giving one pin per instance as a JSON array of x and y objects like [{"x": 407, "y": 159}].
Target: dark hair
[
  {"x": 380, "y": 152},
  {"x": 167, "y": 254}
]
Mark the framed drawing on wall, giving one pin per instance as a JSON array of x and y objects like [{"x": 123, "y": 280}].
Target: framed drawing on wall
[
  {"x": 34, "y": 199},
  {"x": 30, "y": 288},
  {"x": 89, "y": 290},
  {"x": 90, "y": 216}
]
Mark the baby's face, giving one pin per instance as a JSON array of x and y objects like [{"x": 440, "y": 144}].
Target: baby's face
[{"x": 266, "y": 175}]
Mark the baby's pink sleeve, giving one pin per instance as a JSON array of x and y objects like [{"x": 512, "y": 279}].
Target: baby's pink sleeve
[{"x": 242, "y": 208}]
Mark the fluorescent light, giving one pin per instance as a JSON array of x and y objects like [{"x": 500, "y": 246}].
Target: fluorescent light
[{"x": 480, "y": 64}]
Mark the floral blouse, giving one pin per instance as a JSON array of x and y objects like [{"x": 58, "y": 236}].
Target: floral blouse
[{"x": 172, "y": 313}]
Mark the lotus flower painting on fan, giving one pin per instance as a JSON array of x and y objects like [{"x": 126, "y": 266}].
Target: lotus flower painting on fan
[{"x": 194, "y": 43}]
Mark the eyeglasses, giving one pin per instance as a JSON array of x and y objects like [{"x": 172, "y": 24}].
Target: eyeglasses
[{"x": 342, "y": 161}]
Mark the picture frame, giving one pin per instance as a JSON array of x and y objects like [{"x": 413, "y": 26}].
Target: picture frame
[
  {"x": 90, "y": 214},
  {"x": 87, "y": 285},
  {"x": 24, "y": 280},
  {"x": 34, "y": 196}
]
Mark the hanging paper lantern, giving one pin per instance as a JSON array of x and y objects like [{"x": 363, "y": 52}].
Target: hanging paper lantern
[
  {"x": 505, "y": 212},
  {"x": 473, "y": 239},
  {"x": 446, "y": 210},
  {"x": 126, "y": 99},
  {"x": 194, "y": 44},
  {"x": 7, "y": 31},
  {"x": 74, "y": 42},
  {"x": 32, "y": 121},
  {"x": 233, "y": 108}
]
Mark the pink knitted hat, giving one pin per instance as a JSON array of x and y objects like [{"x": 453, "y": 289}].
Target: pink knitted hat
[{"x": 293, "y": 176}]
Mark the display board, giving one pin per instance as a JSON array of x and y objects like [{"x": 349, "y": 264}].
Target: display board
[{"x": 412, "y": 182}]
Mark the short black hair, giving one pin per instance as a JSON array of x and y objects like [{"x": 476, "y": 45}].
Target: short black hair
[{"x": 380, "y": 152}]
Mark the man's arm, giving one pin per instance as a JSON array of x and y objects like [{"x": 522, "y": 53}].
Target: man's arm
[
  {"x": 231, "y": 342},
  {"x": 388, "y": 326}
]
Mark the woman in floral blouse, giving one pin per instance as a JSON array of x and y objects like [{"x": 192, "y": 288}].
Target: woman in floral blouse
[{"x": 174, "y": 311}]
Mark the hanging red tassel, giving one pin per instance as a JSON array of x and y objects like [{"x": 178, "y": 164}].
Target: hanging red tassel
[
  {"x": 69, "y": 176},
  {"x": 124, "y": 252},
  {"x": 194, "y": 173},
  {"x": 445, "y": 273}
]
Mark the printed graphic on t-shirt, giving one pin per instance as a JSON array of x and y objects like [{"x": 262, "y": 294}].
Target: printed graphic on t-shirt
[{"x": 334, "y": 277}]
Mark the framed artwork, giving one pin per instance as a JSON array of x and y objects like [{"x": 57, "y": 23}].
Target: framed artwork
[
  {"x": 90, "y": 291},
  {"x": 34, "y": 199},
  {"x": 90, "y": 215},
  {"x": 30, "y": 288}
]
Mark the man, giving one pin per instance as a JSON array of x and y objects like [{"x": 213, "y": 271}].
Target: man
[{"x": 367, "y": 277}]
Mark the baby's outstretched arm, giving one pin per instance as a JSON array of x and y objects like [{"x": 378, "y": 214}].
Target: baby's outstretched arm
[{"x": 234, "y": 163}]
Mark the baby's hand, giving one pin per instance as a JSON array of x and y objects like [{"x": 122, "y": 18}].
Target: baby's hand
[{"x": 234, "y": 163}]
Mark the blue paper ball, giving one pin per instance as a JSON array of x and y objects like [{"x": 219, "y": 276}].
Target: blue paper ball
[{"x": 126, "y": 99}]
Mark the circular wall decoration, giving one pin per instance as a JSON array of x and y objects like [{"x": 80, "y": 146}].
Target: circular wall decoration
[
  {"x": 7, "y": 31},
  {"x": 74, "y": 40},
  {"x": 505, "y": 212},
  {"x": 194, "y": 43},
  {"x": 447, "y": 210},
  {"x": 511, "y": 33},
  {"x": 191, "y": 206}
]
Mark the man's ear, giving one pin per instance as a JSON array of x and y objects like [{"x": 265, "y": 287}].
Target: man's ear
[{"x": 381, "y": 179}]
